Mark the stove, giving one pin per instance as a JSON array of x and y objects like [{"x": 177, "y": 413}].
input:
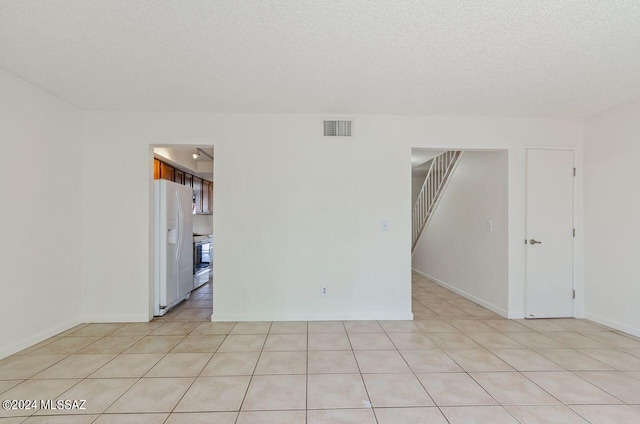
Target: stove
[{"x": 202, "y": 259}]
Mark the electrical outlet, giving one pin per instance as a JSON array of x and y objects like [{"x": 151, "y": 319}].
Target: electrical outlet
[
  {"x": 324, "y": 291},
  {"x": 489, "y": 226}
]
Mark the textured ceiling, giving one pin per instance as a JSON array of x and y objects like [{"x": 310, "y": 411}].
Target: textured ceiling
[{"x": 557, "y": 58}]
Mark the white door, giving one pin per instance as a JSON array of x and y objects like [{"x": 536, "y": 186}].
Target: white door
[{"x": 549, "y": 232}]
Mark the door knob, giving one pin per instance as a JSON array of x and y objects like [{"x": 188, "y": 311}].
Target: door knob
[{"x": 532, "y": 241}]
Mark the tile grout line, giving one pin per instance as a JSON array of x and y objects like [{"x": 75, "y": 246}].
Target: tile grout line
[
  {"x": 138, "y": 378},
  {"x": 514, "y": 370},
  {"x": 62, "y": 359},
  {"x": 196, "y": 377},
  {"x": 364, "y": 384},
  {"x": 246, "y": 392},
  {"x": 415, "y": 375},
  {"x": 80, "y": 380},
  {"x": 443, "y": 318}
]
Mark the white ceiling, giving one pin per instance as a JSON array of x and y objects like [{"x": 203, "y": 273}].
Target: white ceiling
[{"x": 555, "y": 58}]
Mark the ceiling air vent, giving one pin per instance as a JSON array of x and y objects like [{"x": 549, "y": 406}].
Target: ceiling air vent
[{"x": 337, "y": 128}]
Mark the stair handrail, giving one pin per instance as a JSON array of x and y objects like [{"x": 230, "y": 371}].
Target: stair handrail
[{"x": 441, "y": 167}]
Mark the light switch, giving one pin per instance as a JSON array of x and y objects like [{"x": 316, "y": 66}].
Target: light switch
[{"x": 384, "y": 225}]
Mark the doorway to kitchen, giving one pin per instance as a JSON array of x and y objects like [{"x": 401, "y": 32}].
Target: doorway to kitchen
[{"x": 182, "y": 239}]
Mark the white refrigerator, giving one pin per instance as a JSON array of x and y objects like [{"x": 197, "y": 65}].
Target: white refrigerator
[{"x": 173, "y": 244}]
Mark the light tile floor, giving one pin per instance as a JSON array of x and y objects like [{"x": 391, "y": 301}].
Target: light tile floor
[{"x": 455, "y": 363}]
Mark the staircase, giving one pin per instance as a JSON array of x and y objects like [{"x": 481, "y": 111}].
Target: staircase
[{"x": 442, "y": 167}]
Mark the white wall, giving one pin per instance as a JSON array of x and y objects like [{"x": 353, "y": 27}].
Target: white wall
[
  {"x": 40, "y": 182},
  {"x": 416, "y": 185},
  {"x": 293, "y": 211},
  {"x": 456, "y": 248},
  {"x": 612, "y": 217},
  {"x": 203, "y": 224}
]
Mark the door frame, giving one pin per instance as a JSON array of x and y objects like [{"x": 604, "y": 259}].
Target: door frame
[
  {"x": 577, "y": 281},
  {"x": 151, "y": 212},
  {"x": 511, "y": 226}
]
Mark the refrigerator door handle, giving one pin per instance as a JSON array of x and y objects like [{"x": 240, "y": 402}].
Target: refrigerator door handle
[{"x": 179, "y": 247}]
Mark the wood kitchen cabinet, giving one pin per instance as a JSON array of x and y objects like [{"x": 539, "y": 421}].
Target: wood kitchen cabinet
[
  {"x": 178, "y": 176},
  {"x": 166, "y": 171},
  {"x": 211, "y": 196},
  {"x": 206, "y": 197},
  {"x": 156, "y": 169},
  {"x": 202, "y": 189},
  {"x": 197, "y": 190}
]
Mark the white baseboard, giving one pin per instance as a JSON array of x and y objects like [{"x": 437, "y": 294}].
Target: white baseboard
[
  {"x": 368, "y": 316},
  {"x": 515, "y": 315},
  {"x": 466, "y": 295},
  {"x": 115, "y": 318},
  {"x": 614, "y": 324},
  {"x": 37, "y": 338}
]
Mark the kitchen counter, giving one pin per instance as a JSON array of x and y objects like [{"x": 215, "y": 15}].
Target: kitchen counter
[{"x": 201, "y": 237}]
